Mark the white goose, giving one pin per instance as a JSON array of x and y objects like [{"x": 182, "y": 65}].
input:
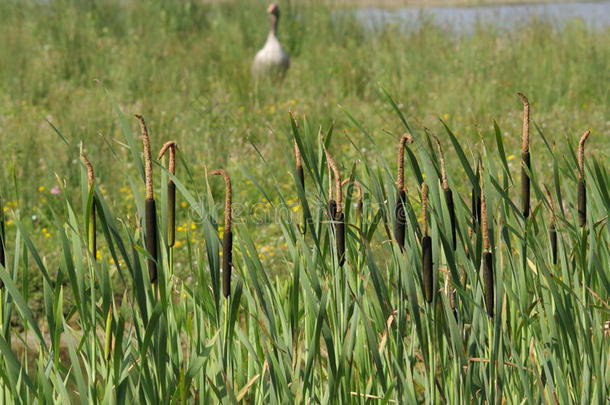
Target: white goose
[{"x": 271, "y": 58}]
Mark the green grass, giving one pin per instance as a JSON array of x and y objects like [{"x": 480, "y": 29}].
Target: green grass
[{"x": 297, "y": 327}]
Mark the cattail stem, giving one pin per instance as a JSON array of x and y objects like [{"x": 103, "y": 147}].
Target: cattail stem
[
  {"x": 582, "y": 190},
  {"x": 150, "y": 209},
  {"x": 227, "y": 238},
  {"x": 448, "y": 193},
  {"x": 91, "y": 224},
  {"x": 400, "y": 223},
  {"x": 170, "y": 146},
  {"x": 338, "y": 217},
  {"x": 427, "y": 274},
  {"x": 525, "y": 157},
  {"x": 488, "y": 272}
]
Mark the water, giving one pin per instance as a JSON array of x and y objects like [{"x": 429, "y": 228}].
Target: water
[{"x": 595, "y": 15}]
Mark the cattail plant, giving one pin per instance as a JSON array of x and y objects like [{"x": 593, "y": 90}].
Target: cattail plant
[
  {"x": 552, "y": 230},
  {"x": 582, "y": 191},
  {"x": 150, "y": 212},
  {"x": 170, "y": 146},
  {"x": 91, "y": 225},
  {"x": 358, "y": 187},
  {"x": 227, "y": 237},
  {"x": 488, "y": 269},
  {"x": 401, "y": 195},
  {"x": 447, "y": 191},
  {"x": 301, "y": 179},
  {"x": 426, "y": 246},
  {"x": 525, "y": 157},
  {"x": 335, "y": 209}
]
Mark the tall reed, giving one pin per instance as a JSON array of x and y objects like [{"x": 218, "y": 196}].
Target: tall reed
[
  {"x": 401, "y": 195},
  {"x": 447, "y": 191},
  {"x": 170, "y": 146},
  {"x": 150, "y": 213},
  {"x": 525, "y": 157},
  {"x": 335, "y": 209},
  {"x": 426, "y": 245},
  {"x": 582, "y": 190},
  {"x": 227, "y": 236}
]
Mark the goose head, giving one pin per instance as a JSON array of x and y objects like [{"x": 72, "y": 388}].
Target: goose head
[{"x": 274, "y": 10}]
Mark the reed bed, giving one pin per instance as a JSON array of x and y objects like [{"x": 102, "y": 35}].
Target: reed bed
[{"x": 355, "y": 315}]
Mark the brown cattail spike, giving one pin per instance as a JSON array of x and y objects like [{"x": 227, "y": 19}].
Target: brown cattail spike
[
  {"x": 91, "y": 225},
  {"x": 400, "y": 178},
  {"x": 581, "y": 153},
  {"x": 424, "y": 208},
  {"x": 148, "y": 171},
  {"x": 582, "y": 190},
  {"x": 227, "y": 238},
  {"x": 337, "y": 174},
  {"x": 525, "y": 132},
  {"x": 484, "y": 224},
  {"x": 150, "y": 205},
  {"x": 525, "y": 157},
  {"x": 400, "y": 223},
  {"x": 89, "y": 167},
  {"x": 488, "y": 273},
  {"x": 170, "y": 146},
  {"x": 336, "y": 209},
  {"x": 297, "y": 155},
  {"x": 426, "y": 244}
]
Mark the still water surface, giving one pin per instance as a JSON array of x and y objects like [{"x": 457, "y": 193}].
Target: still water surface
[{"x": 596, "y": 15}]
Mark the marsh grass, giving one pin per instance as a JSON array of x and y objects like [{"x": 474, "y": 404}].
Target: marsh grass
[
  {"x": 302, "y": 331},
  {"x": 318, "y": 332}
]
